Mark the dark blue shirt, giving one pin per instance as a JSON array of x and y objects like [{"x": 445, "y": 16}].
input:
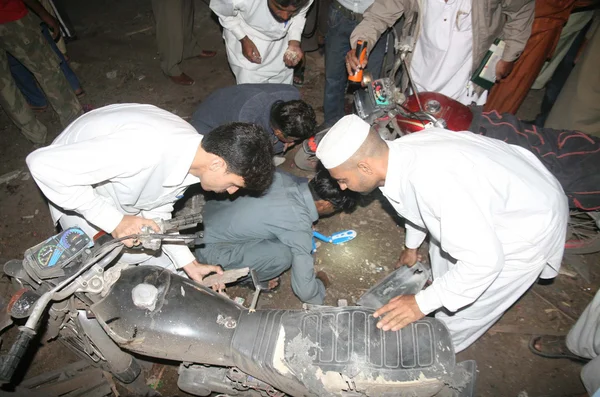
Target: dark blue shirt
[{"x": 250, "y": 103}]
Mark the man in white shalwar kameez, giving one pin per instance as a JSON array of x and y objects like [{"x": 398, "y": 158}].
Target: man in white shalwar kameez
[
  {"x": 117, "y": 168},
  {"x": 262, "y": 37},
  {"x": 496, "y": 218}
]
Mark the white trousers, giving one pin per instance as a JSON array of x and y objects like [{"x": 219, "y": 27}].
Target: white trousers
[
  {"x": 469, "y": 323},
  {"x": 128, "y": 256},
  {"x": 584, "y": 340}
]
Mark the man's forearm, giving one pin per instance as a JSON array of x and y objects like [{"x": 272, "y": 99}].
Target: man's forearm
[{"x": 376, "y": 19}]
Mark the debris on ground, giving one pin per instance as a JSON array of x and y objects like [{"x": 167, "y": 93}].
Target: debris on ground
[{"x": 9, "y": 176}]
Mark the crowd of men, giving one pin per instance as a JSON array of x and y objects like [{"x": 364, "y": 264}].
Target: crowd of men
[{"x": 495, "y": 214}]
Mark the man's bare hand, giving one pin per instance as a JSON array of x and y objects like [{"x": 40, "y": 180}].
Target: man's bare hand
[
  {"x": 352, "y": 62},
  {"x": 133, "y": 225},
  {"x": 503, "y": 69},
  {"x": 408, "y": 257},
  {"x": 250, "y": 51},
  {"x": 197, "y": 271},
  {"x": 293, "y": 55},
  {"x": 399, "y": 312}
]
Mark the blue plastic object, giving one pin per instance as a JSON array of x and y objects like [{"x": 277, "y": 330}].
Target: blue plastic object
[{"x": 336, "y": 238}]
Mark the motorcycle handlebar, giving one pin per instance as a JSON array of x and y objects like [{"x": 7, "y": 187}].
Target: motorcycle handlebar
[
  {"x": 11, "y": 361},
  {"x": 106, "y": 254}
]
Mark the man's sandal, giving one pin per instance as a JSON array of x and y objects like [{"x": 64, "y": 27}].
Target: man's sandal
[{"x": 552, "y": 347}]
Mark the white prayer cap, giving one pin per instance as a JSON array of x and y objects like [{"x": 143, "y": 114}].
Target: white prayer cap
[{"x": 342, "y": 141}]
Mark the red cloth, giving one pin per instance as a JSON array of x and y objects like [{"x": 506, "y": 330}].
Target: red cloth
[{"x": 12, "y": 10}]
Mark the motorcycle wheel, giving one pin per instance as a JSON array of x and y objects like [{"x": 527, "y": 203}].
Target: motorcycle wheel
[{"x": 584, "y": 235}]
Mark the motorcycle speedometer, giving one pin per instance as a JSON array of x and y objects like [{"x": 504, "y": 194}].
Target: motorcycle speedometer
[{"x": 49, "y": 258}]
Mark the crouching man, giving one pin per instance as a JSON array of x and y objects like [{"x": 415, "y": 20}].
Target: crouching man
[
  {"x": 496, "y": 218},
  {"x": 116, "y": 168},
  {"x": 273, "y": 232},
  {"x": 275, "y": 107}
]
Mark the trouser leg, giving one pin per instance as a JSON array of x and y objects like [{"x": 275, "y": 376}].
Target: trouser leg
[
  {"x": 25, "y": 41},
  {"x": 190, "y": 44},
  {"x": 269, "y": 258},
  {"x": 337, "y": 44},
  {"x": 584, "y": 340},
  {"x": 26, "y": 83},
  {"x": 14, "y": 104},
  {"x": 578, "y": 104},
  {"x": 469, "y": 323},
  {"x": 169, "y": 34}
]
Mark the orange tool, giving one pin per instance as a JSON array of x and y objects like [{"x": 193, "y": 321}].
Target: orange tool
[{"x": 361, "y": 54}]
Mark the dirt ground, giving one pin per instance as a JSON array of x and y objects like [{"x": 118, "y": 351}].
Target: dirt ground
[{"x": 119, "y": 36}]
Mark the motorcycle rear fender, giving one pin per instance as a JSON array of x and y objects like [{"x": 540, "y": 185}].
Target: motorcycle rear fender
[{"x": 332, "y": 351}]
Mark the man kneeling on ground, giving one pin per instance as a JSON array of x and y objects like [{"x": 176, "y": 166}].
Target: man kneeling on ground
[
  {"x": 495, "y": 216},
  {"x": 116, "y": 168},
  {"x": 273, "y": 232}
]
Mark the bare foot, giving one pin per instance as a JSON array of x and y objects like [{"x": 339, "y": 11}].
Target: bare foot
[
  {"x": 321, "y": 275},
  {"x": 273, "y": 283}
]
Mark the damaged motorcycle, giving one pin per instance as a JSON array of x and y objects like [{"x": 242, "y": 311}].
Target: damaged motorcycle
[{"x": 75, "y": 290}]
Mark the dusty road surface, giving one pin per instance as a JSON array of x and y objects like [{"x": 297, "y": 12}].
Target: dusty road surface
[{"x": 119, "y": 36}]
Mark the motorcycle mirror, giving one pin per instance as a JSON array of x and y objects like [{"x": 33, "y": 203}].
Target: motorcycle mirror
[
  {"x": 13, "y": 268},
  {"x": 21, "y": 304}
]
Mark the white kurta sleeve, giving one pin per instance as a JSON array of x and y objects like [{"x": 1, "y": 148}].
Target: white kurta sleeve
[
  {"x": 67, "y": 174},
  {"x": 414, "y": 235},
  {"x": 178, "y": 252},
  {"x": 229, "y": 13},
  {"x": 467, "y": 234},
  {"x": 297, "y": 23}
]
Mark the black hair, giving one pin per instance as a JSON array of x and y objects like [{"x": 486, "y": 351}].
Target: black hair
[
  {"x": 296, "y": 119},
  {"x": 323, "y": 187},
  {"x": 247, "y": 151},
  {"x": 292, "y": 3}
]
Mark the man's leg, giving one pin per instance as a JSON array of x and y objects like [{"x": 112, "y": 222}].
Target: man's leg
[
  {"x": 578, "y": 104},
  {"x": 469, "y": 323},
  {"x": 169, "y": 34},
  {"x": 337, "y": 44},
  {"x": 268, "y": 257},
  {"x": 507, "y": 95},
  {"x": 190, "y": 44},
  {"x": 14, "y": 104},
  {"x": 376, "y": 57},
  {"x": 27, "y": 84},
  {"x": 64, "y": 65},
  {"x": 25, "y": 41},
  {"x": 584, "y": 340}
]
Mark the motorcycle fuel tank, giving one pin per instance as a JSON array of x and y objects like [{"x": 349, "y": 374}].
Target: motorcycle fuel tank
[
  {"x": 456, "y": 116},
  {"x": 154, "y": 312}
]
